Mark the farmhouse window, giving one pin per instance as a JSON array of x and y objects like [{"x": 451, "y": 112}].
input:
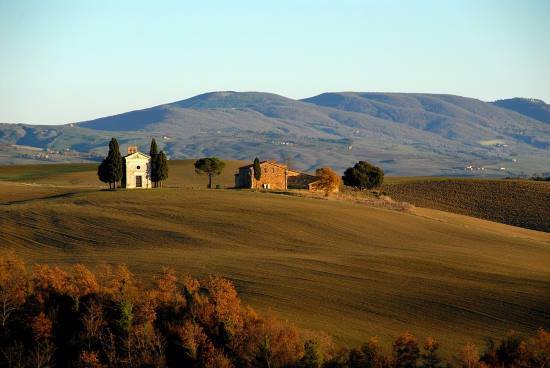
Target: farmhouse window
[{"x": 138, "y": 167}]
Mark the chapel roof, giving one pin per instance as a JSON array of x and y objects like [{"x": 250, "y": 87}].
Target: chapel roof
[{"x": 137, "y": 153}]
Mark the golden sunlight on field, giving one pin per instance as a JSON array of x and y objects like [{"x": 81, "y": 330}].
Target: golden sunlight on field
[{"x": 337, "y": 266}]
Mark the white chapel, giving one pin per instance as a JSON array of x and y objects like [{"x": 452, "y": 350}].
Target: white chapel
[{"x": 136, "y": 170}]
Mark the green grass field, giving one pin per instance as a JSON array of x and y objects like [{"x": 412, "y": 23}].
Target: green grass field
[{"x": 350, "y": 270}]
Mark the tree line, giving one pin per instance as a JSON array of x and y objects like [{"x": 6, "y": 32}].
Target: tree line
[
  {"x": 111, "y": 169},
  {"x": 51, "y": 317},
  {"x": 362, "y": 175}
]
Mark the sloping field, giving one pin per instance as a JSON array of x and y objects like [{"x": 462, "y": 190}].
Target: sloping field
[
  {"x": 181, "y": 174},
  {"x": 11, "y": 193},
  {"x": 336, "y": 266},
  {"x": 522, "y": 203}
]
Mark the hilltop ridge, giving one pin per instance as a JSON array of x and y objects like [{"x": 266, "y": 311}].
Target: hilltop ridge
[{"x": 532, "y": 107}]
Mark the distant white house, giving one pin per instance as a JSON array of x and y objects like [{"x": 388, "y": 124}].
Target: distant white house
[{"x": 137, "y": 169}]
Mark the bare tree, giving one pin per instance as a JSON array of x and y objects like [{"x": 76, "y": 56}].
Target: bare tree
[
  {"x": 13, "y": 285},
  {"x": 14, "y": 355}
]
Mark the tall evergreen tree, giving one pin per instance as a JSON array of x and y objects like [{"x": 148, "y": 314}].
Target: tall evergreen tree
[
  {"x": 103, "y": 172},
  {"x": 161, "y": 168},
  {"x": 153, "y": 152},
  {"x": 110, "y": 169},
  {"x": 257, "y": 169},
  {"x": 115, "y": 162}
]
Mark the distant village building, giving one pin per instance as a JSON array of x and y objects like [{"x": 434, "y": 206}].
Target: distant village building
[
  {"x": 136, "y": 172},
  {"x": 274, "y": 176}
]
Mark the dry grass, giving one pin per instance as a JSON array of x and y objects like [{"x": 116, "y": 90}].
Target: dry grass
[
  {"x": 340, "y": 266},
  {"x": 370, "y": 199},
  {"x": 373, "y": 199}
]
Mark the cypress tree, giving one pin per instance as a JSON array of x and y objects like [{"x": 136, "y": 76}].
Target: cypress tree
[
  {"x": 161, "y": 166},
  {"x": 114, "y": 163},
  {"x": 257, "y": 169},
  {"x": 110, "y": 170},
  {"x": 153, "y": 152},
  {"x": 103, "y": 172}
]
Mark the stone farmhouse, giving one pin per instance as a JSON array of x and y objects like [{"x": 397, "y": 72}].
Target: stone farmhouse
[
  {"x": 274, "y": 176},
  {"x": 136, "y": 171}
]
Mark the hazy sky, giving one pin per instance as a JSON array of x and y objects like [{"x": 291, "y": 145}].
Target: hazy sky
[{"x": 64, "y": 61}]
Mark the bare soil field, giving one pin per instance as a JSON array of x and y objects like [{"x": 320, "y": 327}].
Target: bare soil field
[{"x": 523, "y": 203}]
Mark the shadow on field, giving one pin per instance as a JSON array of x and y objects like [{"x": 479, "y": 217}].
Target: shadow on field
[{"x": 55, "y": 196}]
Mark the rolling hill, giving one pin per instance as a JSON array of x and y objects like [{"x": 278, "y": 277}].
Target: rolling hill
[
  {"x": 407, "y": 134},
  {"x": 513, "y": 202},
  {"x": 536, "y": 109},
  {"x": 350, "y": 270}
]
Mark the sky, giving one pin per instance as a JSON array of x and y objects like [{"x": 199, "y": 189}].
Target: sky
[{"x": 69, "y": 61}]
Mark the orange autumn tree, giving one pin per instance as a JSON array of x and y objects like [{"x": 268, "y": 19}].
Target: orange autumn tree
[
  {"x": 539, "y": 347},
  {"x": 468, "y": 356},
  {"x": 327, "y": 180},
  {"x": 13, "y": 285},
  {"x": 405, "y": 351},
  {"x": 430, "y": 356},
  {"x": 42, "y": 352},
  {"x": 83, "y": 281}
]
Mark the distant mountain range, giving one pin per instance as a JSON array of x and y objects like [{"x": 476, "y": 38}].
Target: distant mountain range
[{"x": 409, "y": 134}]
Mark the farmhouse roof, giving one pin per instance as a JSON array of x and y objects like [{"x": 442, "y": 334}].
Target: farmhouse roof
[
  {"x": 300, "y": 173},
  {"x": 265, "y": 162}
]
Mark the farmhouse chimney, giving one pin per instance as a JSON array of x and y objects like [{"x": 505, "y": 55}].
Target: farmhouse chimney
[{"x": 132, "y": 149}]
